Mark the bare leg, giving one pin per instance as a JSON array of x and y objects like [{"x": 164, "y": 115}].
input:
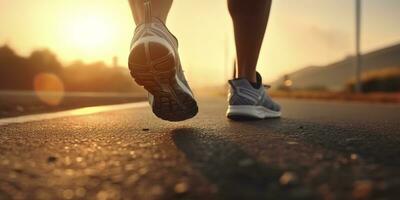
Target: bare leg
[
  {"x": 159, "y": 9},
  {"x": 250, "y": 18}
]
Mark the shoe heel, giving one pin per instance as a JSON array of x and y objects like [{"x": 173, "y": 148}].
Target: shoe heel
[{"x": 152, "y": 65}]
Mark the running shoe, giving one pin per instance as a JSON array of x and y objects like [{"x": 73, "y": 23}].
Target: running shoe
[
  {"x": 249, "y": 102},
  {"x": 154, "y": 63}
]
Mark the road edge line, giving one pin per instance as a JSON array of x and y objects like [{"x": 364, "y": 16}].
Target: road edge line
[{"x": 72, "y": 112}]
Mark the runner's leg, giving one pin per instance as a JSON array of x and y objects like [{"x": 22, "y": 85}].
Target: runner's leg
[{"x": 250, "y": 18}]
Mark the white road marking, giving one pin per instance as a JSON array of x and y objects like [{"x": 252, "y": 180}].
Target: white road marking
[{"x": 73, "y": 112}]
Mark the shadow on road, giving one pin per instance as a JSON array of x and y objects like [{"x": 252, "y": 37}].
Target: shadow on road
[
  {"x": 236, "y": 174},
  {"x": 374, "y": 143}
]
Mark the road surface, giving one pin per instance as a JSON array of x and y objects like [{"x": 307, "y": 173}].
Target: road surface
[{"x": 318, "y": 150}]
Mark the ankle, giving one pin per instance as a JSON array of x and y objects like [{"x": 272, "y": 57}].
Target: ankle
[
  {"x": 153, "y": 20},
  {"x": 252, "y": 78}
]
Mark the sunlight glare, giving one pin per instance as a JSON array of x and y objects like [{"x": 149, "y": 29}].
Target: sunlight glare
[
  {"x": 90, "y": 31},
  {"x": 87, "y": 111}
]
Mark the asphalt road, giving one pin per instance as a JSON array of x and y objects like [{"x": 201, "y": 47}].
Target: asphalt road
[{"x": 318, "y": 150}]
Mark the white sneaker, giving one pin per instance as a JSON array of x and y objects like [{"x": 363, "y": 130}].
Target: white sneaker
[
  {"x": 154, "y": 63},
  {"x": 245, "y": 101}
]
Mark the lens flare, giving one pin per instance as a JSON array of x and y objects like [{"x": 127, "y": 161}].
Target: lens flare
[
  {"x": 288, "y": 83},
  {"x": 49, "y": 88}
]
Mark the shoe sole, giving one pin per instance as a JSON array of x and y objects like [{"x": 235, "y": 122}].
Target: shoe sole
[
  {"x": 250, "y": 112},
  {"x": 153, "y": 66}
]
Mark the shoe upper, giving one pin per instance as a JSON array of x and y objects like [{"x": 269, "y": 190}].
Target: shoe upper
[
  {"x": 154, "y": 28},
  {"x": 242, "y": 93},
  {"x": 157, "y": 31}
]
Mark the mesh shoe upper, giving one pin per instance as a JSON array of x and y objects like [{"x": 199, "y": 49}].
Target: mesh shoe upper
[{"x": 243, "y": 93}]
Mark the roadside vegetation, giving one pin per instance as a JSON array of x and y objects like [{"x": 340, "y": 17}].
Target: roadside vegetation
[
  {"x": 21, "y": 73},
  {"x": 41, "y": 83},
  {"x": 385, "y": 80},
  {"x": 377, "y": 86}
]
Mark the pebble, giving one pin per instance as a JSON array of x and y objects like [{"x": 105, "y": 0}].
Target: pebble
[
  {"x": 156, "y": 156},
  {"x": 69, "y": 172},
  {"x": 102, "y": 195},
  {"x": 362, "y": 189},
  {"x": 131, "y": 179},
  {"x": 145, "y": 129},
  {"x": 51, "y": 159},
  {"x": 353, "y": 156},
  {"x": 288, "y": 178},
  {"x": 181, "y": 187},
  {"x": 143, "y": 171},
  {"x": 79, "y": 159},
  {"x": 68, "y": 194}
]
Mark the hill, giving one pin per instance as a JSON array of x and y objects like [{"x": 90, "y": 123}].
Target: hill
[{"x": 335, "y": 76}]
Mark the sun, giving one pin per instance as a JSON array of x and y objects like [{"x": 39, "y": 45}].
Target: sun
[{"x": 90, "y": 31}]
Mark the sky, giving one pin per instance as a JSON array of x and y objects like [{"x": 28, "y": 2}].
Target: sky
[{"x": 300, "y": 33}]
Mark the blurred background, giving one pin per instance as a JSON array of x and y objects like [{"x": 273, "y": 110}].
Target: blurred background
[{"x": 62, "y": 54}]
